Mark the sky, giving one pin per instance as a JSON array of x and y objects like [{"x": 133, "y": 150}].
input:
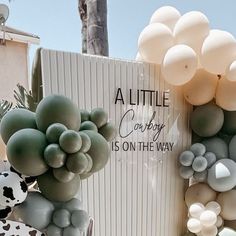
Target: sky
[{"x": 58, "y": 24}]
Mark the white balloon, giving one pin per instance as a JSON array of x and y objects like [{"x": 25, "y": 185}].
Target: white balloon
[
  {"x": 208, "y": 218},
  {"x": 166, "y": 15},
  {"x": 219, "y": 222},
  {"x": 231, "y": 72},
  {"x": 218, "y": 51},
  {"x": 196, "y": 210},
  {"x": 214, "y": 206},
  {"x": 209, "y": 231},
  {"x": 191, "y": 29},
  {"x": 226, "y": 95},
  {"x": 179, "y": 65},
  {"x": 154, "y": 41},
  {"x": 138, "y": 57},
  {"x": 194, "y": 225}
]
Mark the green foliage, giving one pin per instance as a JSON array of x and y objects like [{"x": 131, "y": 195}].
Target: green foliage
[{"x": 5, "y": 106}]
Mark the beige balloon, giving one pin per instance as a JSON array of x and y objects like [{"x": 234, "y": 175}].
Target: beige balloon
[
  {"x": 218, "y": 51},
  {"x": 201, "y": 88},
  {"x": 154, "y": 41},
  {"x": 191, "y": 29},
  {"x": 226, "y": 94},
  {"x": 227, "y": 203},
  {"x": 199, "y": 193},
  {"x": 179, "y": 65},
  {"x": 166, "y": 15}
]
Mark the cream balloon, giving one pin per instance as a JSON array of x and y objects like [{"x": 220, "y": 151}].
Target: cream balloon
[
  {"x": 218, "y": 51},
  {"x": 219, "y": 222},
  {"x": 179, "y": 65},
  {"x": 191, "y": 29},
  {"x": 209, "y": 231},
  {"x": 154, "y": 41},
  {"x": 196, "y": 209},
  {"x": 166, "y": 15},
  {"x": 194, "y": 225},
  {"x": 231, "y": 72},
  {"x": 201, "y": 88},
  {"x": 214, "y": 206},
  {"x": 226, "y": 95},
  {"x": 208, "y": 218}
]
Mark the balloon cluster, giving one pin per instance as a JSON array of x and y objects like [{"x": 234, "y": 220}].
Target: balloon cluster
[{"x": 188, "y": 52}]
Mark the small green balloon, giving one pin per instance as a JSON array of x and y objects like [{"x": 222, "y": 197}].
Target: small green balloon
[
  {"x": 16, "y": 120},
  {"x": 198, "y": 149},
  {"x": 186, "y": 158},
  {"x": 200, "y": 176},
  {"x": 54, "y": 132},
  {"x": 186, "y": 172},
  {"x": 99, "y": 117},
  {"x": 88, "y": 125},
  {"x": 211, "y": 159},
  {"x": 232, "y": 148},
  {"x": 108, "y": 131},
  {"x": 71, "y": 231},
  {"x": 70, "y": 141},
  {"x": 72, "y": 205},
  {"x": 90, "y": 162},
  {"x": 80, "y": 219},
  {"x": 85, "y": 115},
  {"x": 63, "y": 174},
  {"x": 53, "y": 230},
  {"x": 199, "y": 164},
  {"x": 54, "y": 156},
  {"x": 86, "y": 142},
  {"x": 25, "y": 151},
  {"x": 61, "y": 218},
  {"x": 77, "y": 163},
  {"x": 57, "y": 191}
]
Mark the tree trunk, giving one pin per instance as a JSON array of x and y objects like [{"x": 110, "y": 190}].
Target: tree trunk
[{"x": 83, "y": 16}]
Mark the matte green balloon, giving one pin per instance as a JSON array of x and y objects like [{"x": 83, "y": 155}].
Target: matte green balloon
[
  {"x": 86, "y": 175},
  {"x": 186, "y": 172},
  {"x": 207, "y": 120},
  {"x": 72, "y": 205},
  {"x": 54, "y": 132},
  {"x": 25, "y": 151},
  {"x": 71, "y": 231},
  {"x": 211, "y": 159},
  {"x": 199, "y": 164},
  {"x": 227, "y": 138},
  {"x": 99, "y": 150},
  {"x": 35, "y": 211},
  {"x": 108, "y": 131},
  {"x": 53, "y": 230},
  {"x": 77, "y": 163},
  {"x": 232, "y": 148},
  {"x": 217, "y": 146},
  {"x": 70, "y": 141},
  {"x": 57, "y": 109},
  {"x": 61, "y": 218},
  {"x": 200, "y": 176},
  {"x": 90, "y": 162},
  {"x": 88, "y": 125},
  {"x": 54, "y": 156},
  {"x": 80, "y": 219},
  {"x": 57, "y": 191},
  {"x": 85, "y": 115},
  {"x": 229, "y": 126},
  {"x": 186, "y": 158},
  {"x": 198, "y": 149},
  {"x": 86, "y": 142},
  {"x": 63, "y": 174},
  {"x": 99, "y": 117},
  {"x": 16, "y": 120}
]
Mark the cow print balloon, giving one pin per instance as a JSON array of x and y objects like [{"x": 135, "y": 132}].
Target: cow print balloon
[{"x": 5, "y": 212}]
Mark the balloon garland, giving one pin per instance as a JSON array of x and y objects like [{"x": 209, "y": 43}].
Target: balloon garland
[
  {"x": 55, "y": 147},
  {"x": 188, "y": 53}
]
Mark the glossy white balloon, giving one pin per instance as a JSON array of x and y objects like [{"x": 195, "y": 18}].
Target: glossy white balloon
[
  {"x": 209, "y": 231},
  {"x": 166, "y": 15},
  {"x": 219, "y": 222},
  {"x": 179, "y": 65},
  {"x": 214, "y": 206},
  {"x": 195, "y": 210},
  {"x": 208, "y": 218},
  {"x": 154, "y": 41},
  {"x": 231, "y": 72},
  {"x": 194, "y": 225}
]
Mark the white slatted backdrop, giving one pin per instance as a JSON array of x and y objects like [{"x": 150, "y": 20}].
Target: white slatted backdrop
[{"x": 139, "y": 193}]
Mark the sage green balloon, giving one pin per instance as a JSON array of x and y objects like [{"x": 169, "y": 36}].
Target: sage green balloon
[
  {"x": 25, "y": 152},
  {"x": 16, "y": 120},
  {"x": 35, "y": 211},
  {"x": 99, "y": 117},
  {"x": 99, "y": 150},
  {"x": 232, "y": 148},
  {"x": 71, "y": 231},
  {"x": 80, "y": 219},
  {"x": 86, "y": 175},
  {"x": 63, "y": 174},
  {"x": 90, "y": 162},
  {"x": 229, "y": 126},
  {"x": 207, "y": 120},
  {"x": 70, "y": 141},
  {"x": 108, "y": 131},
  {"x": 218, "y": 146},
  {"x": 57, "y": 109},
  {"x": 54, "y": 132},
  {"x": 86, "y": 142},
  {"x": 54, "y": 156},
  {"x": 53, "y": 230},
  {"x": 85, "y": 115},
  {"x": 61, "y": 218},
  {"x": 72, "y": 205},
  {"x": 88, "y": 125},
  {"x": 77, "y": 163},
  {"x": 57, "y": 191}
]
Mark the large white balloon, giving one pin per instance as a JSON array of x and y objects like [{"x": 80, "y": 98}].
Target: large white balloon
[
  {"x": 192, "y": 29},
  {"x": 154, "y": 41},
  {"x": 231, "y": 72},
  {"x": 226, "y": 94},
  {"x": 166, "y": 15},
  {"x": 179, "y": 65},
  {"x": 218, "y": 51}
]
